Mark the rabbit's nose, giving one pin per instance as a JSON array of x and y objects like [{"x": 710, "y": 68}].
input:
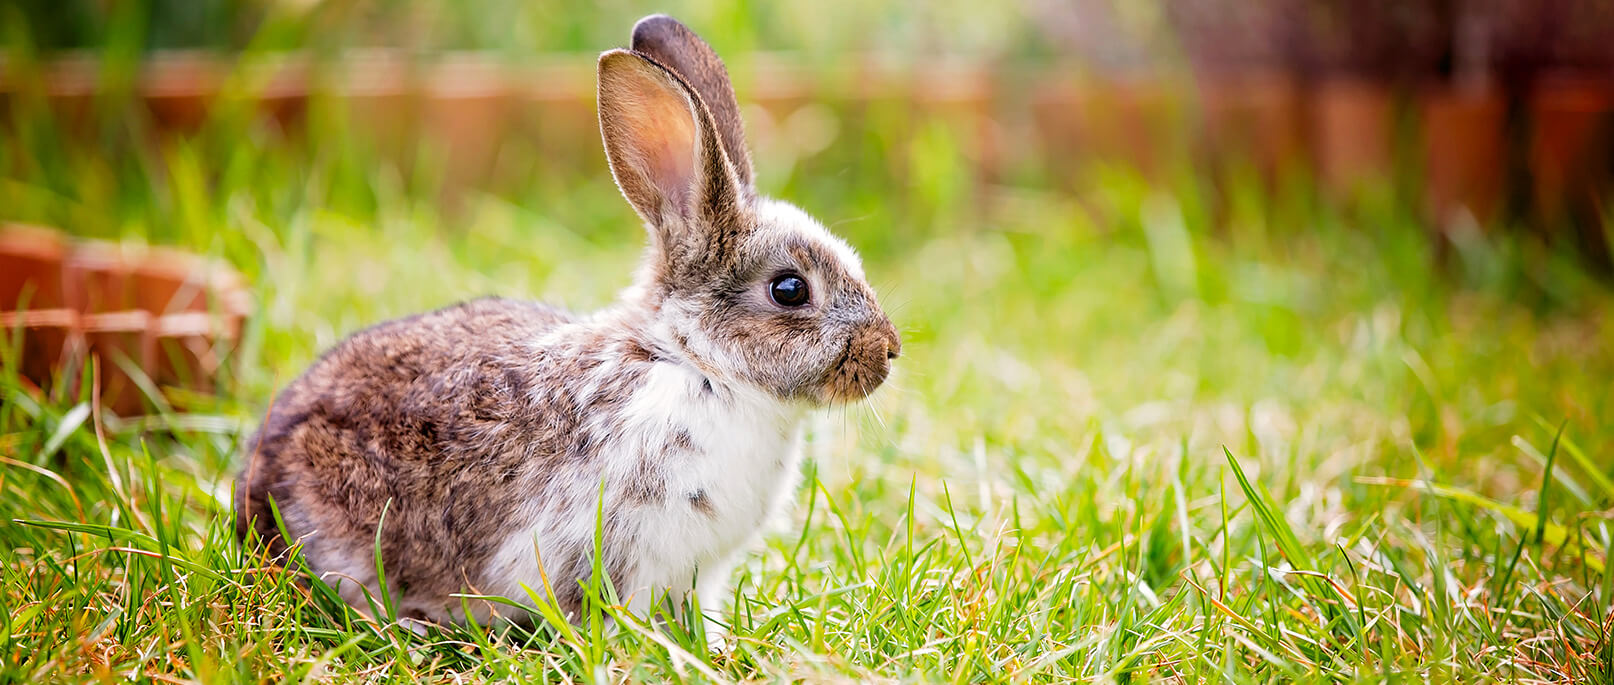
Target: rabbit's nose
[{"x": 893, "y": 342}]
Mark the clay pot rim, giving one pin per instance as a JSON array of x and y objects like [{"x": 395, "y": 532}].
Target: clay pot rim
[
  {"x": 221, "y": 285},
  {"x": 32, "y": 241},
  {"x": 128, "y": 320},
  {"x": 39, "y": 318},
  {"x": 185, "y": 324},
  {"x": 179, "y": 325}
]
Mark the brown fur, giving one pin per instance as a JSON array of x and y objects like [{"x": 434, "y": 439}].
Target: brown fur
[
  {"x": 434, "y": 419},
  {"x": 395, "y": 414}
]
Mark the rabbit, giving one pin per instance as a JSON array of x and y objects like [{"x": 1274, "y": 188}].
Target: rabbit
[{"x": 477, "y": 446}]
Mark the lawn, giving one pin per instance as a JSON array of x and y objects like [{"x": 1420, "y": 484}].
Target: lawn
[{"x": 1139, "y": 431}]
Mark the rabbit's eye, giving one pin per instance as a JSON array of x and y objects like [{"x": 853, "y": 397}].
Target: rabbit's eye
[{"x": 788, "y": 290}]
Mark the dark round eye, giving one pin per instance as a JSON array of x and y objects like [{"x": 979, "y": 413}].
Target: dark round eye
[{"x": 788, "y": 290}]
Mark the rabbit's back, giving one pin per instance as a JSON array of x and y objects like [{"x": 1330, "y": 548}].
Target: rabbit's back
[{"x": 423, "y": 417}]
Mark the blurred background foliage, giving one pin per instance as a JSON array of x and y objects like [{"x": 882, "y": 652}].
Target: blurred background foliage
[
  {"x": 525, "y": 28},
  {"x": 1500, "y": 108}
]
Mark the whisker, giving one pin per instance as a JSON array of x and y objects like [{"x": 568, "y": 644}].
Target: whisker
[
  {"x": 850, "y": 220},
  {"x": 877, "y": 417}
]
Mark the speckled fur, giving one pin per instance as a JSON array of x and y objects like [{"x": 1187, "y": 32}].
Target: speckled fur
[{"x": 492, "y": 431}]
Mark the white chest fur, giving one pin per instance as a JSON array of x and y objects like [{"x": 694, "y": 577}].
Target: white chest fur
[{"x": 692, "y": 472}]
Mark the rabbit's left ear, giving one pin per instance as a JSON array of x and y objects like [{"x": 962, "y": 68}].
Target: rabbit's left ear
[{"x": 673, "y": 45}]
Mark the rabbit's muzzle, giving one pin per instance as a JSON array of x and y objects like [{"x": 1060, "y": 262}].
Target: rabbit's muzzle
[{"x": 864, "y": 364}]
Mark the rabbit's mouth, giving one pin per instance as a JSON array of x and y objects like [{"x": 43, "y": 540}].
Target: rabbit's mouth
[{"x": 862, "y": 366}]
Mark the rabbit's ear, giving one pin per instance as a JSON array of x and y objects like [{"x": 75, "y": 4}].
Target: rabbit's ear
[
  {"x": 661, "y": 143},
  {"x": 673, "y": 45}
]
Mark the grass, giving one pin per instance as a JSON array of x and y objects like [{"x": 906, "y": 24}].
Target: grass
[{"x": 1135, "y": 435}]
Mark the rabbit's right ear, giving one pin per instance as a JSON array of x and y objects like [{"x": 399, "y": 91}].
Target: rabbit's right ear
[{"x": 662, "y": 145}]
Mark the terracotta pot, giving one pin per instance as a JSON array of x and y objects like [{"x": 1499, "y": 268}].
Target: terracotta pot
[
  {"x": 185, "y": 346},
  {"x": 379, "y": 102},
  {"x": 1572, "y": 128},
  {"x": 1353, "y": 130},
  {"x": 52, "y": 344},
  {"x": 168, "y": 281},
  {"x": 96, "y": 278},
  {"x": 31, "y": 265},
  {"x": 905, "y": 101},
  {"x": 1130, "y": 123},
  {"x": 1055, "y": 118},
  {"x": 168, "y": 312},
  {"x": 1255, "y": 118},
  {"x": 962, "y": 97},
  {"x": 1464, "y": 151},
  {"x": 179, "y": 89},
  {"x": 552, "y": 115},
  {"x": 781, "y": 85},
  {"x": 71, "y": 87},
  {"x": 467, "y": 107},
  {"x": 116, "y": 336},
  {"x": 280, "y": 88}
]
